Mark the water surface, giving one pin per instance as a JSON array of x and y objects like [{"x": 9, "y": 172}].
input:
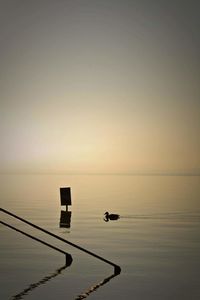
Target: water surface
[{"x": 156, "y": 241}]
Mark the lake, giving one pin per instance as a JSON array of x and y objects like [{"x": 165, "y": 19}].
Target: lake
[{"x": 156, "y": 241}]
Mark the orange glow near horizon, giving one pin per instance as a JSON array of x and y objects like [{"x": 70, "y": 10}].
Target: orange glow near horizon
[{"x": 99, "y": 89}]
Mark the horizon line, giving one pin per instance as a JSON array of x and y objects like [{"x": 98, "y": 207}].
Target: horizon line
[{"x": 150, "y": 173}]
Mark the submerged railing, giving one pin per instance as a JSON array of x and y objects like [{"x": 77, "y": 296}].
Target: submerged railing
[{"x": 117, "y": 268}]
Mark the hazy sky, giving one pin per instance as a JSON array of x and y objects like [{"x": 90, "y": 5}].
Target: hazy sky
[{"x": 100, "y": 85}]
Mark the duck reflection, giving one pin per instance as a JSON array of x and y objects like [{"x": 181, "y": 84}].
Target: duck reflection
[{"x": 65, "y": 219}]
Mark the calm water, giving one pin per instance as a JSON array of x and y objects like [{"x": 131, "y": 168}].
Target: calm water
[{"x": 156, "y": 241}]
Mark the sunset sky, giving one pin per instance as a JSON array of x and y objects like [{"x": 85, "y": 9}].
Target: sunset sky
[{"x": 100, "y": 86}]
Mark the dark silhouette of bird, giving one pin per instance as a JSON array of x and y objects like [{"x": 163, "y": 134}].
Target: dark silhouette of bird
[{"x": 111, "y": 216}]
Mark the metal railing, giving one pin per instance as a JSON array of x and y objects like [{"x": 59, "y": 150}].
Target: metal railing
[
  {"x": 68, "y": 257},
  {"x": 117, "y": 268}
]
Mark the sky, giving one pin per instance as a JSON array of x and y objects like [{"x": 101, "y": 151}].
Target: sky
[{"x": 100, "y": 86}]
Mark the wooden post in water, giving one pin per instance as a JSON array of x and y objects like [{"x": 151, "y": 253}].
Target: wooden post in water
[{"x": 65, "y": 196}]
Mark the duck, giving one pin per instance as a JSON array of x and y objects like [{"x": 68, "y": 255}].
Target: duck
[{"x": 111, "y": 216}]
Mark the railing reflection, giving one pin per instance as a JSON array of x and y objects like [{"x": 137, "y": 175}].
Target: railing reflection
[
  {"x": 44, "y": 280},
  {"x": 94, "y": 287}
]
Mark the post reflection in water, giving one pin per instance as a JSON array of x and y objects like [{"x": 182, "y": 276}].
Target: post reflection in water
[
  {"x": 65, "y": 219},
  {"x": 44, "y": 280}
]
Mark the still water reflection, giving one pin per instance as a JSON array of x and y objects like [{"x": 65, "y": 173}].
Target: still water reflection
[
  {"x": 32, "y": 286},
  {"x": 65, "y": 219},
  {"x": 156, "y": 240}
]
